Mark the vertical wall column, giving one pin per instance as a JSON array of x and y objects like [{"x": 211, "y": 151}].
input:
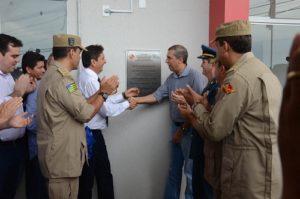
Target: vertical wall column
[{"x": 221, "y": 11}]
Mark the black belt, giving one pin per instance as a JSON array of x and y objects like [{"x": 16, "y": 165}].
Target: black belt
[
  {"x": 178, "y": 123},
  {"x": 12, "y": 142}
]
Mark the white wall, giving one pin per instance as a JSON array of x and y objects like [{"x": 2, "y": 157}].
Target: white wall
[{"x": 137, "y": 141}]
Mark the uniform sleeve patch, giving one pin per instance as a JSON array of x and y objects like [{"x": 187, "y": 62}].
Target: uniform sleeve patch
[
  {"x": 72, "y": 87},
  {"x": 228, "y": 88}
]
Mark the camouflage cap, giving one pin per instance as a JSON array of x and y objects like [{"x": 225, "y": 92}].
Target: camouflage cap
[
  {"x": 234, "y": 28},
  {"x": 67, "y": 40}
]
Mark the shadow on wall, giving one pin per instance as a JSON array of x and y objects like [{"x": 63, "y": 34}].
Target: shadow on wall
[{"x": 280, "y": 70}]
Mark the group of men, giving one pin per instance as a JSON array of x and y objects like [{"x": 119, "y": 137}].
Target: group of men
[{"x": 224, "y": 131}]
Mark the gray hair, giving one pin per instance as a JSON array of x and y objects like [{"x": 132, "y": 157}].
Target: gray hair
[{"x": 180, "y": 52}]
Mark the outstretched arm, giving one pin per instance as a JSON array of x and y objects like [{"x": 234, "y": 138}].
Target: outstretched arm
[{"x": 148, "y": 99}]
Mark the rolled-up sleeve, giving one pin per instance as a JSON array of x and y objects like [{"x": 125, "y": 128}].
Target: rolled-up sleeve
[{"x": 162, "y": 91}]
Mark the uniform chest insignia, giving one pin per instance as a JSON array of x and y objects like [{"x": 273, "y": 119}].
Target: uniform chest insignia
[
  {"x": 62, "y": 71},
  {"x": 72, "y": 87},
  {"x": 228, "y": 88}
]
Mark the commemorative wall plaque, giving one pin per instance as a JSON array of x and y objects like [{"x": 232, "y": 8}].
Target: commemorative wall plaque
[{"x": 144, "y": 70}]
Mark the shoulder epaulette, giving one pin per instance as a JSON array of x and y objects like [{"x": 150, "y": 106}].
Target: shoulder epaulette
[{"x": 63, "y": 71}]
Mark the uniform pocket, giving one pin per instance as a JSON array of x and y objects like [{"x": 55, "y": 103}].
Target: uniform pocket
[
  {"x": 213, "y": 154},
  {"x": 83, "y": 151},
  {"x": 226, "y": 173}
]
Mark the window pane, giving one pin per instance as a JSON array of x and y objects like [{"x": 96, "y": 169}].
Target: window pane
[
  {"x": 259, "y": 8},
  {"x": 283, "y": 9},
  {"x": 33, "y": 22},
  {"x": 272, "y": 44}
]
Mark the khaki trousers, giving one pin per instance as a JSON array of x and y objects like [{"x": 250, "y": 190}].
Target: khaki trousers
[{"x": 63, "y": 188}]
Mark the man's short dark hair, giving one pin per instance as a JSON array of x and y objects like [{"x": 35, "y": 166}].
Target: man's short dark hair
[
  {"x": 93, "y": 52},
  {"x": 30, "y": 59},
  {"x": 239, "y": 44},
  {"x": 6, "y": 40},
  {"x": 180, "y": 52},
  {"x": 61, "y": 52}
]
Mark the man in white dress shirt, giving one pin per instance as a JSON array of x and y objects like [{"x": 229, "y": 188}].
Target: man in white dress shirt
[
  {"x": 99, "y": 166},
  {"x": 12, "y": 146}
]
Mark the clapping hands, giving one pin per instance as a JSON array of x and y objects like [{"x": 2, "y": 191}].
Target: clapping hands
[
  {"x": 7, "y": 114},
  {"x": 24, "y": 84},
  {"x": 109, "y": 85}
]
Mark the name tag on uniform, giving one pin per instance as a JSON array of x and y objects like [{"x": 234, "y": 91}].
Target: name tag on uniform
[{"x": 72, "y": 87}]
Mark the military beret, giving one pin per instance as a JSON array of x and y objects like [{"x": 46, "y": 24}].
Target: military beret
[
  {"x": 207, "y": 52},
  {"x": 234, "y": 28},
  {"x": 67, "y": 40}
]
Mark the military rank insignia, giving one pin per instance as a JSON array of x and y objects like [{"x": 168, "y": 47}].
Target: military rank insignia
[
  {"x": 72, "y": 87},
  {"x": 228, "y": 88},
  {"x": 71, "y": 41}
]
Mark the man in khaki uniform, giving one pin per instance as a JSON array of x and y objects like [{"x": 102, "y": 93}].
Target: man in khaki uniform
[
  {"x": 245, "y": 119},
  {"x": 62, "y": 111}
]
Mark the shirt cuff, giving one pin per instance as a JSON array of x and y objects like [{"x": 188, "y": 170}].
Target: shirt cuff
[
  {"x": 116, "y": 98},
  {"x": 126, "y": 104}
]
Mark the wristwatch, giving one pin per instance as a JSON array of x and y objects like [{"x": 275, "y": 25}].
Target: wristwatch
[
  {"x": 104, "y": 95},
  {"x": 124, "y": 95}
]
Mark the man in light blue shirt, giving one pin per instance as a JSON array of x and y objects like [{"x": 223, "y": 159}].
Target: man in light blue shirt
[
  {"x": 182, "y": 75},
  {"x": 33, "y": 64}
]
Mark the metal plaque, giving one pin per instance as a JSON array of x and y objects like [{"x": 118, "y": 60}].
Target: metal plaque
[{"x": 144, "y": 70}]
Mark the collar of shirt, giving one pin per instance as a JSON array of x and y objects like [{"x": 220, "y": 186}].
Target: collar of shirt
[
  {"x": 62, "y": 67},
  {"x": 245, "y": 57},
  {"x": 185, "y": 72},
  {"x": 90, "y": 73},
  {"x": 4, "y": 74}
]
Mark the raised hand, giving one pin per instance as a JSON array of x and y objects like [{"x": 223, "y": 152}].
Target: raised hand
[
  {"x": 109, "y": 85},
  {"x": 132, "y": 92},
  {"x": 187, "y": 95},
  {"x": 194, "y": 97},
  {"x": 20, "y": 121},
  {"x": 178, "y": 98},
  {"x": 23, "y": 85},
  {"x": 204, "y": 101},
  {"x": 32, "y": 85},
  {"x": 8, "y": 108},
  {"x": 185, "y": 111}
]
